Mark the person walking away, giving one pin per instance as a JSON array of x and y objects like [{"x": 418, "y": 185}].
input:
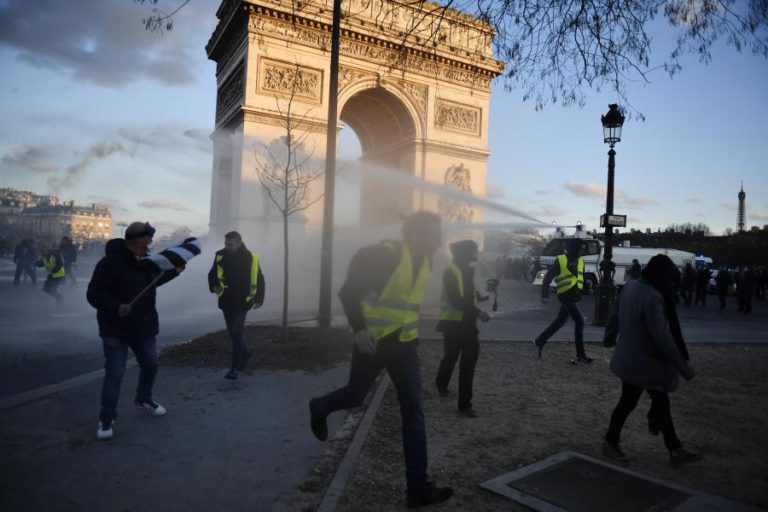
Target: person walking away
[
  {"x": 703, "y": 276},
  {"x": 745, "y": 287},
  {"x": 458, "y": 323},
  {"x": 568, "y": 274},
  {"x": 381, "y": 296},
  {"x": 127, "y": 319},
  {"x": 24, "y": 258},
  {"x": 68, "y": 252},
  {"x": 633, "y": 272},
  {"x": 650, "y": 354},
  {"x": 689, "y": 281},
  {"x": 723, "y": 282},
  {"x": 20, "y": 260},
  {"x": 54, "y": 267},
  {"x": 237, "y": 280}
]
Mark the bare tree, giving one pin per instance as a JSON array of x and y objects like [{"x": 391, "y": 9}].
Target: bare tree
[
  {"x": 160, "y": 20},
  {"x": 286, "y": 171}
]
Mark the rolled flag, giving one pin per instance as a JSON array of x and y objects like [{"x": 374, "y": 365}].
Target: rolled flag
[{"x": 176, "y": 255}]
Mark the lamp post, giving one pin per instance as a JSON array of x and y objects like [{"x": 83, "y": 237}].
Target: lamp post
[
  {"x": 606, "y": 291},
  {"x": 122, "y": 225}
]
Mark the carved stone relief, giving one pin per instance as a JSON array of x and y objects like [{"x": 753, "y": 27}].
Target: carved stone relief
[
  {"x": 231, "y": 91},
  {"x": 453, "y": 210},
  {"x": 369, "y": 52},
  {"x": 457, "y": 117},
  {"x": 284, "y": 79}
]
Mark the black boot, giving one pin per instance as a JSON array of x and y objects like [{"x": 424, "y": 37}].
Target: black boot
[
  {"x": 428, "y": 494},
  {"x": 317, "y": 422}
]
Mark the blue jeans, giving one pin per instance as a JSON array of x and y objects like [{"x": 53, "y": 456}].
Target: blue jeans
[
  {"x": 115, "y": 355},
  {"x": 566, "y": 309},
  {"x": 402, "y": 363},
  {"x": 235, "y": 321}
]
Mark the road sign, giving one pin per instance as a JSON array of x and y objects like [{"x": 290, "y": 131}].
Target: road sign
[{"x": 616, "y": 221}]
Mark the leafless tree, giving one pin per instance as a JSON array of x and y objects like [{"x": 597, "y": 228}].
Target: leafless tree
[{"x": 286, "y": 171}]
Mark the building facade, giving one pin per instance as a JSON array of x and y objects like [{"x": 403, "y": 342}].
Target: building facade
[{"x": 54, "y": 220}]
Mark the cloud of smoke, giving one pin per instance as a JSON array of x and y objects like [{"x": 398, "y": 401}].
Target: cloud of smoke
[{"x": 74, "y": 172}]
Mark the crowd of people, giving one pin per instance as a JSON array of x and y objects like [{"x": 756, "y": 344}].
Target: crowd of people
[{"x": 381, "y": 297}]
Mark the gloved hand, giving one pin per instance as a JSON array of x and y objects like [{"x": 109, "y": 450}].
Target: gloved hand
[
  {"x": 483, "y": 316},
  {"x": 364, "y": 342},
  {"x": 256, "y": 305}
]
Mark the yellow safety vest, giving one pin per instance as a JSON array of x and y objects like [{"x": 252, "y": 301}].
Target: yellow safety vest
[
  {"x": 447, "y": 310},
  {"x": 254, "y": 275},
  {"x": 50, "y": 263},
  {"x": 397, "y": 306},
  {"x": 565, "y": 280}
]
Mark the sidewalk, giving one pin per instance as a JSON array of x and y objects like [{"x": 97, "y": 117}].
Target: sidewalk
[{"x": 222, "y": 446}]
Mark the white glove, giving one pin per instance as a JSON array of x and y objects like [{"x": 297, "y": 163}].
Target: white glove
[{"x": 364, "y": 342}]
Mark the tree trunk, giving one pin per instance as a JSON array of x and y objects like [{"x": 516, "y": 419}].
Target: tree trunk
[{"x": 285, "y": 278}]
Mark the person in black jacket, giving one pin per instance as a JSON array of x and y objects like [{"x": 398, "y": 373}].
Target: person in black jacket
[
  {"x": 384, "y": 287},
  {"x": 458, "y": 323},
  {"x": 569, "y": 270},
  {"x": 127, "y": 319},
  {"x": 237, "y": 279},
  {"x": 68, "y": 252},
  {"x": 723, "y": 282}
]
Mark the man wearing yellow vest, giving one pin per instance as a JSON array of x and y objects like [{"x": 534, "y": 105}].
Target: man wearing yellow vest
[
  {"x": 458, "y": 323},
  {"x": 568, "y": 274},
  {"x": 54, "y": 266},
  {"x": 237, "y": 280},
  {"x": 381, "y": 297}
]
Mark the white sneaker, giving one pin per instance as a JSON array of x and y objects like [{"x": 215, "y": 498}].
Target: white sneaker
[
  {"x": 105, "y": 432},
  {"x": 153, "y": 408}
]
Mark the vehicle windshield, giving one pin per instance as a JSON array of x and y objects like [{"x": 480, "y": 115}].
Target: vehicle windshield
[{"x": 557, "y": 247}]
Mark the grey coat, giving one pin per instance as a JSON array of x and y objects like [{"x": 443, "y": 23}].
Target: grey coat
[{"x": 646, "y": 355}]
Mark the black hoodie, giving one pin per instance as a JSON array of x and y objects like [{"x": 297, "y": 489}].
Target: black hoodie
[{"x": 119, "y": 277}]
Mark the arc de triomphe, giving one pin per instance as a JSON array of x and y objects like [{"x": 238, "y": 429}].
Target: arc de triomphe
[{"x": 413, "y": 85}]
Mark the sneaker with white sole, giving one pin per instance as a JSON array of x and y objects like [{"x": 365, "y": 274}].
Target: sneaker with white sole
[
  {"x": 153, "y": 408},
  {"x": 105, "y": 431}
]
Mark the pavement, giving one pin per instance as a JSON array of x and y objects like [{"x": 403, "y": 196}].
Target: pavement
[{"x": 222, "y": 446}]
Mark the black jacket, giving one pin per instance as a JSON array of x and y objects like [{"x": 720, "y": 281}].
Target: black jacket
[
  {"x": 369, "y": 271},
  {"x": 465, "y": 303},
  {"x": 118, "y": 277},
  {"x": 237, "y": 275}
]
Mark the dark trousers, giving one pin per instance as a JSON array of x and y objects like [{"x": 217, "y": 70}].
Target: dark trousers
[
  {"x": 115, "y": 355},
  {"x": 722, "y": 295},
  {"x": 745, "y": 303},
  {"x": 27, "y": 270},
  {"x": 235, "y": 321},
  {"x": 401, "y": 361},
  {"x": 69, "y": 274},
  {"x": 459, "y": 341},
  {"x": 51, "y": 287},
  {"x": 566, "y": 309},
  {"x": 701, "y": 296},
  {"x": 687, "y": 294},
  {"x": 659, "y": 415}
]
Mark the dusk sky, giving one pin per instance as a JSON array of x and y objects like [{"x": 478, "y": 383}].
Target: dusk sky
[{"x": 96, "y": 109}]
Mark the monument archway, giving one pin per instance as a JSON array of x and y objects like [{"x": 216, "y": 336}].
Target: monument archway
[{"x": 414, "y": 86}]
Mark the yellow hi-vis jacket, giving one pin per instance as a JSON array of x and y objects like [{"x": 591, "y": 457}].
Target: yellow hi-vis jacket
[
  {"x": 447, "y": 310},
  {"x": 254, "y": 275},
  {"x": 565, "y": 280},
  {"x": 397, "y": 306},
  {"x": 50, "y": 266}
]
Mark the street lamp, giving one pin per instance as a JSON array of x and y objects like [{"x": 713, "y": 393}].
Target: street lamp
[
  {"x": 122, "y": 225},
  {"x": 606, "y": 292}
]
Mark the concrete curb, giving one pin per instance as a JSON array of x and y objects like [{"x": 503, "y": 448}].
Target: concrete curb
[{"x": 339, "y": 482}]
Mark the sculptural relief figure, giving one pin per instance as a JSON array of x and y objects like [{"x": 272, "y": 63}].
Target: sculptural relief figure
[{"x": 451, "y": 209}]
